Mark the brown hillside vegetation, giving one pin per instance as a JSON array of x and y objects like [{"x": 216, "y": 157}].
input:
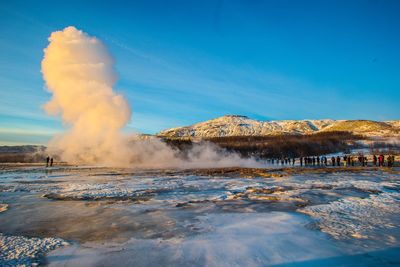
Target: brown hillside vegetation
[
  {"x": 280, "y": 146},
  {"x": 362, "y": 127}
]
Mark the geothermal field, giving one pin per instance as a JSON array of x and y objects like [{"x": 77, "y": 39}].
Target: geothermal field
[
  {"x": 98, "y": 186},
  {"x": 93, "y": 216}
]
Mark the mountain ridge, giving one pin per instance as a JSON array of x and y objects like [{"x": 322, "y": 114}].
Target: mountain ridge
[{"x": 238, "y": 125}]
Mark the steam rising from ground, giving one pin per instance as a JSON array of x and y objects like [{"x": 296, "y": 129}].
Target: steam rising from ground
[{"x": 79, "y": 72}]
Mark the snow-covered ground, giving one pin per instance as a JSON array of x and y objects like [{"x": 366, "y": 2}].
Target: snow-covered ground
[
  {"x": 24, "y": 251},
  {"x": 157, "y": 218}
]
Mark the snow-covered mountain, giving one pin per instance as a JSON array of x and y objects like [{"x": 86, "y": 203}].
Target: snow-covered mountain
[{"x": 235, "y": 125}]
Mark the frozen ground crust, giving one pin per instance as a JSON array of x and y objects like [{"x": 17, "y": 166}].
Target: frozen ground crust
[
  {"x": 357, "y": 217},
  {"x": 358, "y": 209},
  {"x": 23, "y": 251},
  {"x": 86, "y": 191}
]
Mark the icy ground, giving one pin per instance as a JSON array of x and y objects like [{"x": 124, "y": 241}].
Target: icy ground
[
  {"x": 23, "y": 251},
  {"x": 226, "y": 217}
]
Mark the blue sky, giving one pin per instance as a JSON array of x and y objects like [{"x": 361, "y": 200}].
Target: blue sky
[{"x": 181, "y": 62}]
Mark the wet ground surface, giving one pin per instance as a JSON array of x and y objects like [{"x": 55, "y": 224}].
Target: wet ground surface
[{"x": 205, "y": 217}]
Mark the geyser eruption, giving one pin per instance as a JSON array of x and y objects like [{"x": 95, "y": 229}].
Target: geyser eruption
[{"x": 78, "y": 71}]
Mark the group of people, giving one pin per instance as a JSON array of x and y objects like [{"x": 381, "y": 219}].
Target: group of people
[
  {"x": 313, "y": 161},
  {"x": 49, "y": 162},
  {"x": 346, "y": 160},
  {"x": 380, "y": 160},
  {"x": 282, "y": 161}
]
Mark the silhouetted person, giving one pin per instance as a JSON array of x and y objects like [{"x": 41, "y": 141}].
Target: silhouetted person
[
  {"x": 301, "y": 161},
  {"x": 326, "y": 161},
  {"x": 47, "y": 161},
  {"x": 338, "y": 160},
  {"x": 391, "y": 161},
  {"x": 333, "y": 161},
  {"x": 313, "y": 161},
  {"x": 318, "y": 161},
  {"x": 374, "y": 160},
  {"x": 293, "y": 161},
  {"x": 360, "y": 158},
  {"x": 51, "y": 162}
]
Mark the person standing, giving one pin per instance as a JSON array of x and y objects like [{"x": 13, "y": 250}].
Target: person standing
[
  {"x": 51, "y": 162},
  {"x": 374, "y": 160},
  {"x": 380, "y": 160},
  {"x": 47, "y": 161},
  {"x": 301, "y": 161},
  {"x": 333, "y": 161},
  {"x": 360, "y": 159},
  {"x": 338, "y": 160}
]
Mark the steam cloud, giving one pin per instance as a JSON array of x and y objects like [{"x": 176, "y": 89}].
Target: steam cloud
[{"x": 78, "y": 71}]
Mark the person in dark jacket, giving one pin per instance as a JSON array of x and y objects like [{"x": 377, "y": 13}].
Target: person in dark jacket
[
  {"x": 47, "y": 161},
  {"x": 338, "y": 160},
  {"x": 374, "y": 160},
  {"x": 333, "y": 161}
]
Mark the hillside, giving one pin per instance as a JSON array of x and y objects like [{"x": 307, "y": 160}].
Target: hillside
[
  {"x": 365, "y": 127},
  {"x": 234, "y": 125}
]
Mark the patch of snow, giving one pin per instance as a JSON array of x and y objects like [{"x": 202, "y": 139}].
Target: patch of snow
[
  {"x": 355, "y": 217},
  {"x": 95, "y": 191},
  {"x": 24, "y": 251}
]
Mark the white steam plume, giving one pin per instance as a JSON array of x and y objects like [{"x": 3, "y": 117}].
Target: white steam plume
[{"x": 78, "y": 71}]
